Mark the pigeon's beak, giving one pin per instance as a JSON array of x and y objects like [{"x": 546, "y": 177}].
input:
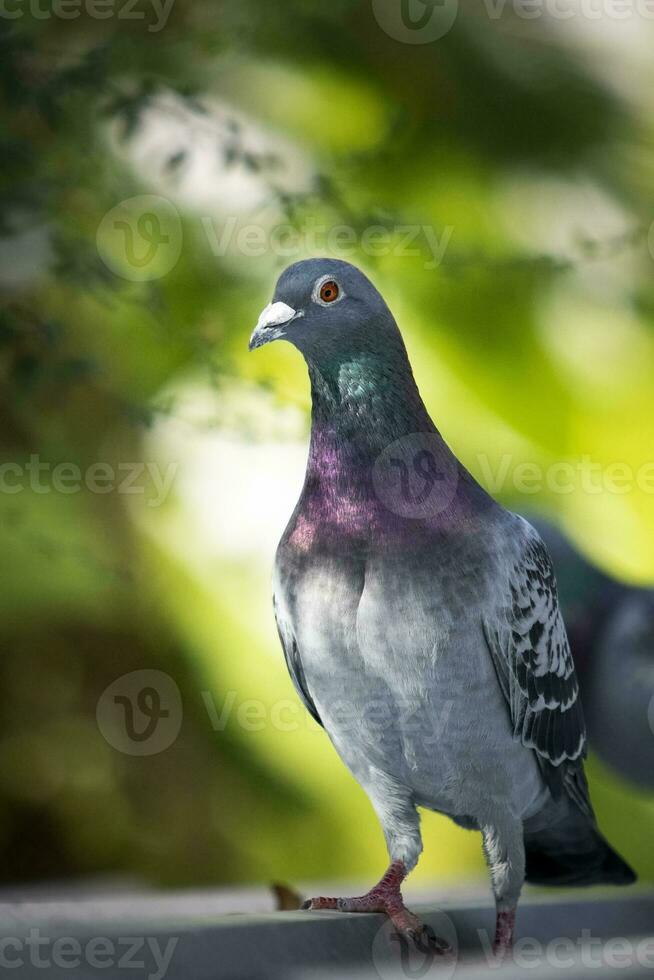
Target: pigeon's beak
[{"x": 270, "y": 323}]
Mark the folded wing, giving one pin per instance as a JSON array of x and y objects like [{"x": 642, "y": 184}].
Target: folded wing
[{"x": 530, "y": 650}]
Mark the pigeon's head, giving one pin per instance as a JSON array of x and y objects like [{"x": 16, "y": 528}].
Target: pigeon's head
[{"x": 325, "y": 306}]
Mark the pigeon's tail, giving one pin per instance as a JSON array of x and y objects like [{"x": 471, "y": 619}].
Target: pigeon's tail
[
  {"x": 566, "y": 848},
  {"x": 550, "y": 864}
]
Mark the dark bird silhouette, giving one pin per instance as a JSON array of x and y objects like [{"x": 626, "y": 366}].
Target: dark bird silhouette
[{"x": 611, "y": 630}]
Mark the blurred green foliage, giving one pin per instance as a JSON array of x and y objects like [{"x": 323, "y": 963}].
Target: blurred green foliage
[{"x": 531, "y": 338}]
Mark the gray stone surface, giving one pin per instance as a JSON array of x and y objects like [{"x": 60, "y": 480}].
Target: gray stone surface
[{"x": 191, "y": 936}]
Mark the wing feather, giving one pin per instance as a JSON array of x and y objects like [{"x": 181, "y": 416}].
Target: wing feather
[{"x": 532, "y": 658}]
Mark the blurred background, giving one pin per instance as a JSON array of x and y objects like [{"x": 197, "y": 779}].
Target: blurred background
[{"x": 490, "y": 166}]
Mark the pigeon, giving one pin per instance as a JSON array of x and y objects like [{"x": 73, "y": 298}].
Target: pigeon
[
  {"x": 611, "y": 630},
  {"x": 419, "y": 619}
]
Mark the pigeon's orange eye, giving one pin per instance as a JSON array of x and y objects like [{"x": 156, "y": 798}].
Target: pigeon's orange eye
[{"x": 329, "y": 291}]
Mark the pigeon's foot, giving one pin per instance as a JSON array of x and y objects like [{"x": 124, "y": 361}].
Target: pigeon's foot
[
  {"x": 504, "y": 926},
  {"x": 386, "y": 897}
]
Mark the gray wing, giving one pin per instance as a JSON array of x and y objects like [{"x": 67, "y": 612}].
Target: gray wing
[
  {"x": 293, "y": 660},
  {"x": 531, "y": 653}
]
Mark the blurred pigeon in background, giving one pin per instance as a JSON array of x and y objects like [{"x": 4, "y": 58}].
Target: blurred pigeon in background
[
  {"x": 420, "y": 620},
  {"x": 611, "y": 630}
]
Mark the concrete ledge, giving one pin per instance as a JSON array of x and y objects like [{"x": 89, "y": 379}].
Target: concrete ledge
[{"x": 187, "y": 936}]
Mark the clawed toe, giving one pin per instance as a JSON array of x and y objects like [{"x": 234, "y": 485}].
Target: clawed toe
[
  {"x": 364, "y": 903},
  {"x": 320, "y": 903},
  {"x": 426, "y": 941}
]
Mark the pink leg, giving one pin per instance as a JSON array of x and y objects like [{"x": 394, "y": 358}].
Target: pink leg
[
  {"x": 386, "y": 897},
  {"x": 504, "y": 926}
]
